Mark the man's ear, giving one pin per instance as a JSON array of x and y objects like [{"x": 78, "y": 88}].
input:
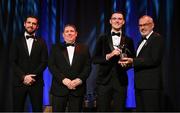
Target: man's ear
[
  {"x": 24, "y": 24},
  {"x": 124, "y": 22},
  {"x": 110, "y": 21},
  {"x": 37, "y": 26}
]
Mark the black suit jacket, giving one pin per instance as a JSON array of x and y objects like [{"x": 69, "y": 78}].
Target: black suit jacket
[
  {"x": 60, "y": 68},
  {"x": 148, "y": 64},
  {"x": 23, "y": 64},
  {"x": 110, "y": 68}
]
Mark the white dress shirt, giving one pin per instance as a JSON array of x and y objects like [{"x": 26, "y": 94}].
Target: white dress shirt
[
  {"x": 29, "y": 43},
  {"x": 116, "y": 40},
  {"x": 70, "y": 50},
  {"x": 143, "y": 43}
]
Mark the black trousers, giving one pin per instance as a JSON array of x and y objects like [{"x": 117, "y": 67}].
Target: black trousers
[
  {"x": 111, "y": 97},
  {"x": 70, "y": 103},
  {"x": 35, "y": 93},
  {"x": 148, "y": 100}
]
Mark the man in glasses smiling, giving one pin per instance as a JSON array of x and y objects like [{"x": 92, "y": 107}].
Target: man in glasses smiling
[{"x": 148, "y": 67}]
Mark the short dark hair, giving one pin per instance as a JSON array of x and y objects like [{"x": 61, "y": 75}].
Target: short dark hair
[
  {"x": 71, "y": 25},
  {"x": 119, "y": 12},
  {"x": 31, "y": 16}
]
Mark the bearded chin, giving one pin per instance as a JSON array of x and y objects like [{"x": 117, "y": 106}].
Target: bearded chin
[{"x": 30, "y": 32}]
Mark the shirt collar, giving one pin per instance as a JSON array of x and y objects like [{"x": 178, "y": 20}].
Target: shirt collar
[
  {"x": 120, "y": 31},
  {"x": 149, "y": 35},
  {"x": 25, "y": 34}
]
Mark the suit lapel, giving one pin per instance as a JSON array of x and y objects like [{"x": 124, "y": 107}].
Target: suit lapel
[
  {"x": 110, "y": 43},
  {"x": 144, "y": 46},
  {"x": 34, "y": 46},
  {"x": 76, "y": 52},
  {"x": 25, "y": 46},
  {"x": 65, "y": 53},
  {"x": 122, "y": 41}
]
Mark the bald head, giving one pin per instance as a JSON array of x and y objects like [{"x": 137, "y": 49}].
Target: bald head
[{"x": 147, "y": 19}]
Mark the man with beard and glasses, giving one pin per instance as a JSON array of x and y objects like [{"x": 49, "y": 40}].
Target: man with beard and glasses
[
  {"x": 148, "y": 67},
  {"x": 28, "y": 56}
]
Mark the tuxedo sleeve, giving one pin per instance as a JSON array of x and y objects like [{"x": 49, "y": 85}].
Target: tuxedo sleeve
[
  {"x": 56, "y": 73},
  {"x": 99, "y": 56},
  {"x": 130, "y": 51},
  {"x": 43, "y": 57},
  {"x": 130, "y": 48},
  {"x": 14, "y": 59},
  {"x": 87, "y": 66}
]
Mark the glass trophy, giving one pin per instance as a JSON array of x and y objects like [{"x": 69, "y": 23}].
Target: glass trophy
[{"x": 123, "y": 52}]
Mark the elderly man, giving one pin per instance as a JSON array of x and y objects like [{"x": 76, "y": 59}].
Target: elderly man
[{"x": 147, "y": 65}]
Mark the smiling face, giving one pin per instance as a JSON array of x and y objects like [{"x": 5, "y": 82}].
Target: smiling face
[
  {"x": 31, "y": 25},
  {"x": 117, "y": 21},
  {"x": 146, "y": 25},
  {"x": 70, "y": 34}
]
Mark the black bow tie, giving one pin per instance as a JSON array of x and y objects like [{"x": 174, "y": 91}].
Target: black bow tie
[
  {"x": 113, "y": 33},
  {"x": 143, "y": 38},
  {"x": 30, "y": 36},
  {"x": 70, "y": 44}
]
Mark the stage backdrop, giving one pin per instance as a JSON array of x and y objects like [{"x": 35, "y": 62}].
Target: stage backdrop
[{"x": 91, "y": 18}]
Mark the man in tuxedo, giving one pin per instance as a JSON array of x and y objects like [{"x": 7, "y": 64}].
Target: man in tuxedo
[
  {"x": 147, "y": 65},
  {"x": 28, "y": 55},
  {"x": 112, "y": 78},
  {"x": 70, "y": 65}
]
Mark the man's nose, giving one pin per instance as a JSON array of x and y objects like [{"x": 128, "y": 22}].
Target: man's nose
[
  {"x": 69, "y": 33},
  {"x": 31, "y": 24}
]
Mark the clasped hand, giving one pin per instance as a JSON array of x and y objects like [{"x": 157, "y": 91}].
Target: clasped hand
[
  {"x": 115, "y": 52},
  {"x": 72, "y": 84},
  {"x": 29, "y": 80},
  {"x": 125, "y": 62}
]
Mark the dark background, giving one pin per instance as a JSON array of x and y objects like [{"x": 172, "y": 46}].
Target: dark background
[{"x": 91, "y": 18}]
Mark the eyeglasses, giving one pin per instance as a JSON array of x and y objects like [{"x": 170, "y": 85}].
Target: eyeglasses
[{"x": 146, "y": 24}]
